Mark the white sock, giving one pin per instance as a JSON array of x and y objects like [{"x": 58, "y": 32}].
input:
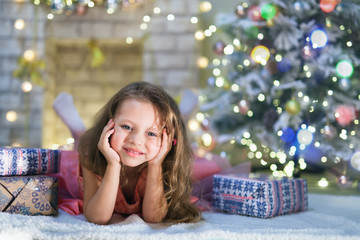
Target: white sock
[{"x": 65, "y": 108}]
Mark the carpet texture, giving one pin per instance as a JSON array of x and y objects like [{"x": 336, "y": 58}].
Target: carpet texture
[{"x": 328, "y": 217}]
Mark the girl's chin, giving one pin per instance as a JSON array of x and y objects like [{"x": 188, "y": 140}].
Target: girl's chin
[{"x": 133, "y": 162}]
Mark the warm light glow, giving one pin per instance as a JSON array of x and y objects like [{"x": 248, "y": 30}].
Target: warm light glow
[
  {"x": 29, "y": 55},
  {"x": 323, "y": 183},
  {"x": 199, "y": 35},
  {"x": 207, "y": 139},
  {"x": 170, "y": 17},
  {"x": 205, "y": 6},
  {"x": 11, "y": 116},
  {"x": 193, "y": 125},
  {"x": 202, "y": 62},
  {"x": 129, "y": 40},
  {"x": 260, "y": 53},
  {"x": 157, "y": 10},
  {"x": 19, "y": 24},
  {"x": 26, "y": 86},
  {"x": 194, "y": 20}
]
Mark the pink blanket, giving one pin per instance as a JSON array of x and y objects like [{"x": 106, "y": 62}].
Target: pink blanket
[{"x": 70, "y": 199}]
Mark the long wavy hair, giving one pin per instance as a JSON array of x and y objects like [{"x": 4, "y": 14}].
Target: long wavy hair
[{"x": 177, "y": 167}]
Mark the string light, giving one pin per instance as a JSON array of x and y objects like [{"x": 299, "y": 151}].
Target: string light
[
  {"x": 19, "y": 24},
  {"x": 11, "y": 116}
]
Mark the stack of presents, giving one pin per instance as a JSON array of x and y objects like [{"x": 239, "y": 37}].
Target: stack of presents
[{"x": 28, "y": 186}]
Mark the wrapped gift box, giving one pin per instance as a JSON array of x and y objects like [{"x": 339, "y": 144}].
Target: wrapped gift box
[
  {"x": 259, "y": 195},
  {"x": 29, "y": 195},
  {"x": 29, "y": 161}
]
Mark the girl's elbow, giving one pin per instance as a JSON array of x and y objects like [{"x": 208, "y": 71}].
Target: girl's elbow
[{"x": 98, "y": 219}]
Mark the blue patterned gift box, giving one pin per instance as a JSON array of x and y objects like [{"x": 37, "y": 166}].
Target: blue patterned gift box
[
  {"x": 259, "y": 195},
  {"x": 29, "y": 161},
  {"x": 29, "y": 195}
]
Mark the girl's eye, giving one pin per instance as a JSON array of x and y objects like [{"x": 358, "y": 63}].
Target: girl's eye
[
  {"x": 126, "y": 127},
  {"x": 151, "y": 134}
]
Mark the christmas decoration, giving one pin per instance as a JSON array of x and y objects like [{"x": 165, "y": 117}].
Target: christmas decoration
[{"x": 292, "y": 99}]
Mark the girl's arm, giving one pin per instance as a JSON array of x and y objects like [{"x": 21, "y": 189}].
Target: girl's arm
[
  {"x": 155, "y": 205},
  {"x": 100, "y": 196}
]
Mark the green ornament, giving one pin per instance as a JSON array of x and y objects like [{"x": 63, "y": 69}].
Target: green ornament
[{"x": 293, "y": 107}]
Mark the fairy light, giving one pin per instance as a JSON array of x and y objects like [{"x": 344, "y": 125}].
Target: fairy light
[
  {"x": 323, "y": 183},
  {"x": 216, "y": 72},
  {"x": 50, "y": 16},
  {"x": 235, "y": 87},
  {"x": 246, "y": 62},
  {"x": 323, "y": 159},
  {"x": 219, "y": 82},
  {"x": 26, "y": 86},
  {"x": 236, "y": 109},
  {"x": 216, "y": 62},
  {"x": 29, "y": 55},
  {"x": 193, "y": 125},
  {"x": 273, "y": 167},
  {"x": 70, "y": 140},
  {"x": 262, "y": 162},
  {"x": 205, "y": 6},
  {"x": 91, "y": 4},
  {"x": 170, "y": 17},
  {"x": 11, "y": 116},
  {"x": 19, "y": 24},
  {"x": 207, "y": 139},
  {"x": 146, "y": 18},
  {"x": 251, "y": 155},
  {"x": 199, "y": 35},
  {"x": 207, "y": 33},
  {"x": 253, "y": 147},
  {"x": 278, "y": 58},
  {"x": 212, "y": 28},
  {"x": 349, "y": 44},
  {"x": 258, "y": 155},
  {"x": 276, "y": 83},
  {"x": 157, "y": 10},
  {"x": 202, "y": 62},
  {"x": 261, "y": 97},
  {"x": 250, "y": 113},
  {"x": 129, "y": 40},
  {"x": 143, "y": 26},
  {"x": 229, "y": 49},
  {"x": 194, "y": 20}
]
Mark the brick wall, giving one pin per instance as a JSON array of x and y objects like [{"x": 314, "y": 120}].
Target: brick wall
[{"x": 168, "y": 57}]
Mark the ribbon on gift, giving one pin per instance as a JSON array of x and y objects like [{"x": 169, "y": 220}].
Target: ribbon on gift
[
  {"x": 29, "y": 195},
  {"x": 29, "y": 161}
]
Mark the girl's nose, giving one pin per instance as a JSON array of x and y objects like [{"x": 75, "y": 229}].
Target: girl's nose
[{"x": 136, "y": 139}]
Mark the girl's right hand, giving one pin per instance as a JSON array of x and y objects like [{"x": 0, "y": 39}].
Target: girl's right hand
[{"x": 104, "y": 145}]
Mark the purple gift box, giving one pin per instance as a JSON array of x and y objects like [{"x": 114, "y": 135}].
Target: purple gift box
[
  {"x": 259, "y": 195},
  {"x": 29, "y": 161}
]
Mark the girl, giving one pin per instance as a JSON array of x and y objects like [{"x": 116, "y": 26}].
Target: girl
[{"x": 136, "y": 159}]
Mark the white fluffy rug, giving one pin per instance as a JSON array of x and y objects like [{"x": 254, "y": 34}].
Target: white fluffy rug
[{"x": 329, "y": 217}]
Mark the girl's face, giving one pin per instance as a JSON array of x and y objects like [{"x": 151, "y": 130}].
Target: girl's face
[{"x": 137, "y": 134}]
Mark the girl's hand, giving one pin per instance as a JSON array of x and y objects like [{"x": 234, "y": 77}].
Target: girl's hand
[
  {"x": 166, "y": 144},
  {"x": 104, "y": 145}
]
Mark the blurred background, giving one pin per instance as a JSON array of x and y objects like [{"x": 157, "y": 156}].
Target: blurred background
[{"x": 272, "y": 82}]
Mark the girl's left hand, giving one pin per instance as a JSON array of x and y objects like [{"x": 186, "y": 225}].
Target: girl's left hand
[{"x": 166, "y": 145}]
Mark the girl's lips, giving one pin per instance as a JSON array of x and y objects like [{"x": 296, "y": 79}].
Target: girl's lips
[{"x": 132, "y": 152}]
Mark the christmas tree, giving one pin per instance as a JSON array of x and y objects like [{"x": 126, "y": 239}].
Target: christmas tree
[{"x": 284, "y": 86}]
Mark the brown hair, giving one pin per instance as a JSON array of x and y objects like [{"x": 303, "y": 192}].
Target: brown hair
[{"x": 177, "y": 166}]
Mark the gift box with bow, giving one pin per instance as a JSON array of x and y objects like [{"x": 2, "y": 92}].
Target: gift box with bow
[
  {"x": 29, "y": 195},
  {"x": 259, "y": 195}
]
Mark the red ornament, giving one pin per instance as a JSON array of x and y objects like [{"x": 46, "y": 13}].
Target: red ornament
[
  {"x": 328, "y": 5},
  {"x": 254, "y": 13},
  {"x": 345, "y": 115}
]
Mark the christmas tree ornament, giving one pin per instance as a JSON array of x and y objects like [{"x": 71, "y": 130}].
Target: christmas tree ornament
[
  {"x": 260, "y": 54},
  {"x": 298, "y": 6},
  {"x": 318, "y": 38},
  {"x": 344, "y": 84},
  {"x": 328, "y": 132},
  {"x": 355, "y": 161},
  {"x": 207, "y": 142},
  {"x": 308, "y": 53},
  {"x": 345, "y": 114},
  {"x": 218, "y": 47},
  {"x": 328, "y": 5},
  {"x": 240, "y": 11},
  {"x": 270, "y": 117},
  {"x": 272, "y": 67},
  {"x": 288, "y": 134},
  {"x": 344, "y": 68},
  {"x": 344, "y": 182},
  {"x": 254, "y": 13},
  {"x": 284, "y": 65},
  {"x": 244, "y": 106},
  {"x": 292, "y": 107},
  {"x": 304, "y": 136},
  {"x": 57, "y": 6},
  {"x": 268, "y": 11}
]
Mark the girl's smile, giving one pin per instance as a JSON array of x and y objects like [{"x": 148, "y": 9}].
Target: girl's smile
[{"x": 136, "y": 136}]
